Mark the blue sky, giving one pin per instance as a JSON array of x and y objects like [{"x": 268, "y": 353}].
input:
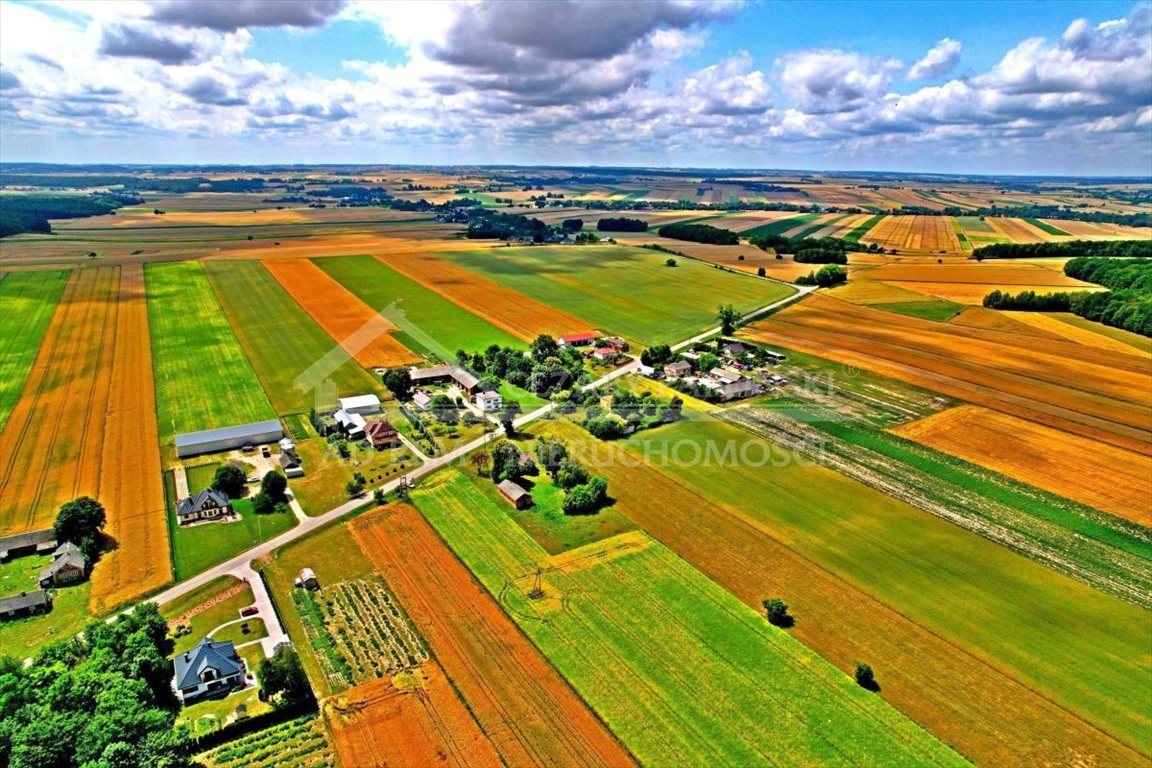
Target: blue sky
[{"x": 980, "y": 87}]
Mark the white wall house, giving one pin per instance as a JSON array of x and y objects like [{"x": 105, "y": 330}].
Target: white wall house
[{"x": 489, "y": 402}]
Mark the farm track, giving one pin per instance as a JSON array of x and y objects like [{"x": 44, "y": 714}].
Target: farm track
[
  {"x": 528, "y": 711},
  {"x": 130, "y": 481},
  {"x": 50, "y": 447},
  {"x": 957, "y": 696},
  {"x": 1094, "y": 393}
]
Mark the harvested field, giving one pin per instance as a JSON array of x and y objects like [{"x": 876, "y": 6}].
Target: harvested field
[
  {"x": 842, "y": 226},
  {"x": 27, "y": 302},
  {"x": 420, "y": 722},
  {"x": 130, "y": 481},
  {"x": 203, "y": 379},
  {"x": 519, "y": 315},
  {"x": 1110, "y": 479},
  {"x": 953, "y": 672},
  {"x": 968, "y": 271},
  {"x": 1094, "y": 393},
  {"x": 527, "y": 710},
  {"x": 353, "y": 324},
  {"x": 873, "y": 292},
  {"x": 50, "y": 448},
  {"x": 692, "y": 693},
  {"x": 1053, "y": 324},
  {"x": 974, "y": 293},
  {"x": 999, "y": 321},
  {"x": 1018, "y": 231}
]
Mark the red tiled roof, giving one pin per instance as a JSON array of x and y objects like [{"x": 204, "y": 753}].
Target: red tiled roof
[{"x": 578, "y": 337}]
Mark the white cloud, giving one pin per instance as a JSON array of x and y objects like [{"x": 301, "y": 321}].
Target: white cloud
[
  {"x": 827, "y": 82},
  {"x": 938, "y": 62}
]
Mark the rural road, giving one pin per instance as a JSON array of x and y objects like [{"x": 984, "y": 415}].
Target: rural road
[{"x": 243, "y": 562}]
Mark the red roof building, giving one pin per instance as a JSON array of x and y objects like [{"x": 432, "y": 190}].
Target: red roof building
[
  {"x": 578, "y": 339},
  {"x": 381, "y": 434}
]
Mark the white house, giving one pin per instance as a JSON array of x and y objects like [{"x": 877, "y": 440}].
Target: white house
[
  {"x": 361, "y": 404},
  {"x": 422, "y": 400},
  {"x": 489, "y": 402},
  {"x": 206, "y": 669},
  {"x": 351, "y": 424}
]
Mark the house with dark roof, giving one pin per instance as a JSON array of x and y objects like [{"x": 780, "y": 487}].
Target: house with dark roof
[
  {"x": 25, "y": 604},
  {"x": 209, "y": 504},
  {"x": 290, "y": 463},
  {"x": 517, "y": 496},
  {"x": 208, "y": 669},
  {"x": 443, "y": 373},
  {"x": 68, "y": 566},
  {"x": 31, "y": 543}
]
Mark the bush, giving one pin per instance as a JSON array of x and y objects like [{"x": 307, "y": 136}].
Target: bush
[
  {"x": 263, "y": 504},
  {"x": 776, "y": 611},
  {"x": 865, "y": 677},
  {"x": 761, "y": 272},
  {"x": 670, "y": 262},
  {"x": 587, "y": 498},
  {"x": 826, "y": 277}
]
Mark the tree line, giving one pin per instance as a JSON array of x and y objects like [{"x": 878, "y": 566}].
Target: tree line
[
  {"x": 31, "y": 213},
  {"x": 699, "y": 233},
  {"x": 622, "y": 225},
  {"x": 1092, "y": 248}
]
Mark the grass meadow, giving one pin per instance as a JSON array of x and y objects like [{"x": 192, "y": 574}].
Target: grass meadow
[
  {"x": 27, "y": 302},
  {"x": 203, "y": 379},
  {"x": 679, "y": 669},
  {"x": 280, "y": 338},
  {"x": 22, "y": 638},
  {"x": 625, "y": 291},
  {"x": 429, "y": 324}
]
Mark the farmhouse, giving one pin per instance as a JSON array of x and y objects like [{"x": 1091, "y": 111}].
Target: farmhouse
[
  {"x": 209, "y": 504},
  {"x": 441, "y": 373},
  {"x": 577, "y": 339},
  {"x": 68, "y": 566},
  {"x": 228, "y": 438},
  {"x": 604, "y": 353},
  {"x": 516, "y": 495},
  {"x": 31, "y": 543},
  {"x": 290, "y": 463},
  {"x": 361, "y": 404},
  {"x": 730, "y": 384},
  {"x": 422, "y": 400},
  {"x": 733, "y": 348},
  {"x": 351, "y": 425},
  {"x": 382, "y": 434},
  {"x": 489, "y": 401},
  {"x": 208, "y": 668},
  {"x": 616, "y": 343},
  {"x": 25, "y": 604},
  {"x": 677, "y": 370}
]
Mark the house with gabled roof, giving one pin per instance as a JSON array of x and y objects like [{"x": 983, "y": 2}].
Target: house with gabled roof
[
  {"x": 68, "y": 566},
  {"x": 209, "y": 504},
  {"x": 209, "y": 668}
]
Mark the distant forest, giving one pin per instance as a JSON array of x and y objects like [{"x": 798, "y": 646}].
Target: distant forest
[
  {"x": 1100, "y": 248},
  {"x": 30, "y": 213}
]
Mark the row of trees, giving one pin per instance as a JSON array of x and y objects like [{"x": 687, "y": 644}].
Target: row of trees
[
  {"x": 1088, "y": 248},
  {"x": 826, "y": 277},
  {"x": 622, "y": 225},
  {"x": 699, "y": 233}
]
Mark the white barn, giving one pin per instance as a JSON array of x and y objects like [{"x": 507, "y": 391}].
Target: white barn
[{"x": 362, "y": 404}]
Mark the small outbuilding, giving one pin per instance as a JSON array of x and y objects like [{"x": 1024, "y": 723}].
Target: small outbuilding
[
  {"x": 209, "y": 504},
  {"x": 616, "y": 343},
  {"x": 290, "y": 463},
  {"x": 361, "y": 404},
  {"x": 306, "y": 579},
  {"x": 422, "y": 400},
  {"x": 516, "y": 495},
  {"x": 351, "y": 425},
  {"x": 228, "y": 438},
  {"x": 68, "y": 566},
  {"x": 25, "y": 604},
  {"x": 31, "y": 543}
]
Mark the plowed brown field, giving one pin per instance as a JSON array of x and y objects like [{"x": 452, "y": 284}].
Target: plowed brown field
[
  {"x": 1099, "y": 475},
  {"x": 50, "y": 451},
  {"x": 529, "y": 712},
  {"x": 340, "y": 313},
  {"x": 1095, "y": 393},
  {"x": 985, "y": 714},
  {"x": 523, "y": 317},
  {"x": 130, "y": 486},
  {"x": 378, "y": 724}
]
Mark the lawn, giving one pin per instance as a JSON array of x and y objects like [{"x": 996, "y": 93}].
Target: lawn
[
  {"x": 1083, "y": 649},
  {"x": 206, "y": 716},
  {"x": 27, "y": 302},
  {"x": 679, "y": 669},
  {"x": 203, "y": 379},
  {"x": 429, "y": 324},
  {"x": 199, "y": 547},
  {"x": 939, "y": 311},
  {"x": 334, "y": 556},
  {"x": 623, "y": 290},
  {"x": 325, "y": 474},
  {"x": 282, "y": 340},
  {"x": 224, "y": 610},
  {"x": 22, "y": 638}
]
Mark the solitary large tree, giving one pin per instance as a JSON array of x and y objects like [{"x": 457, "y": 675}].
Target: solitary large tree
[
  {"x": 80, "y": 521},
  {"x": 728, "y": 317}
]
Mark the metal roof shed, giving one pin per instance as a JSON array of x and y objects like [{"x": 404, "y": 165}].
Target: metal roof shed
[{"x": 228, "y": 438}]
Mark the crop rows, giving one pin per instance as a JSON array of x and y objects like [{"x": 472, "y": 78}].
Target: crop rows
[
  {"x": 301, "y": 742},
  {"x": 375, "y": 634},
  {"x": 331, "y": 660}
]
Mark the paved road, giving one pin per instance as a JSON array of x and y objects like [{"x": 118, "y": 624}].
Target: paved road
[{"x": 310, "y": 524}]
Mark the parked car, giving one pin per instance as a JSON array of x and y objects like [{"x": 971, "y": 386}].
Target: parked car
[{"x": 251, "y": 610}]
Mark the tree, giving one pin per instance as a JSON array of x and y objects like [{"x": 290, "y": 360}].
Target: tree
[
  {"x": 543, "y": 347},
  {"x": 511, "y": 410},
  {"x": 274, "y": 485},
  {"x": 728, "y": 317},
  {"x": 670, "y": 262},
  {"x": 356, "y": 485},
  {"x": 399, "y": 382},
  {"x": 587, "y": 498},
  {"x": 865, "y": 677},
  {"x": 761, "y": 272},
  {"x": 263, "y": 504},
  {"x": 230, "y": 480},
  {"x": 571, "y": 474},
  {"x": 282, "y": 678},
  {"x": 550, "y": 454},
  {"x": 776, "y": 611},
  {"x": 80, "y": 521},
  {"x": 342, "y": 448}
]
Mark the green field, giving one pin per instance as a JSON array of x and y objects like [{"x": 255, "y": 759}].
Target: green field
[
  {"x": 680, "y": 670},
  {"x": 939, "y": 310},
  {"x": 281, "y": 339},
  {"x": 428, "y": 323},
  {"x": 1046, "y": 227},
  {"x": 1079, "y": 647},
  {"x": 819, "y": 225},
  {"x": 199, "y": 547},
  {"x": 203, "y": 379},
  {"x": 27, "y": 302},
  {"x": 780, "y": 226},
  {"x": 862, "y": 229},
  {"x": 22, "y": 638},
  {"x": 625, "y": 291}
]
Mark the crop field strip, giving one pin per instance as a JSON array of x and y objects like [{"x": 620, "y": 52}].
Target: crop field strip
[
  {"x": 280, "y": 339},
  {"x": 693, "y": 692},
  {"x": 203, "y": 379},
  {"x": 1091, "y": 392},
  {"x": 528, "y": 712},
  {"x": 27, "y": 302},
  {"x": 955, "y": 693},
  {"x": 1056, "y": 324},
  {"x": 130, "y": 484},
  {"x": 302, "y": 743},
  {"x": 1110, "y": 479},
  {"x": 519, "y": 315},
  {"x": 780, "y": 226},
  {"x": 340, "y": 313},
  {"x": 428, "y": 323},
  {"x": 50, "y": 447},
  {"x": 629, "y": 292}
]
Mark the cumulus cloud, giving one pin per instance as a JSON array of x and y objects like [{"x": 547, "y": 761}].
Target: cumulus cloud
[
  {"x": 209, "y": 90},
  {"x": 827, "y": 82},
  {"x": 938, "y": 62},
  {"x": 9, "y": 81},
  {"x": 231, "y": 15},
  {"x": 731, "y": 87},
  {"x": 136, "y": 42}
]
